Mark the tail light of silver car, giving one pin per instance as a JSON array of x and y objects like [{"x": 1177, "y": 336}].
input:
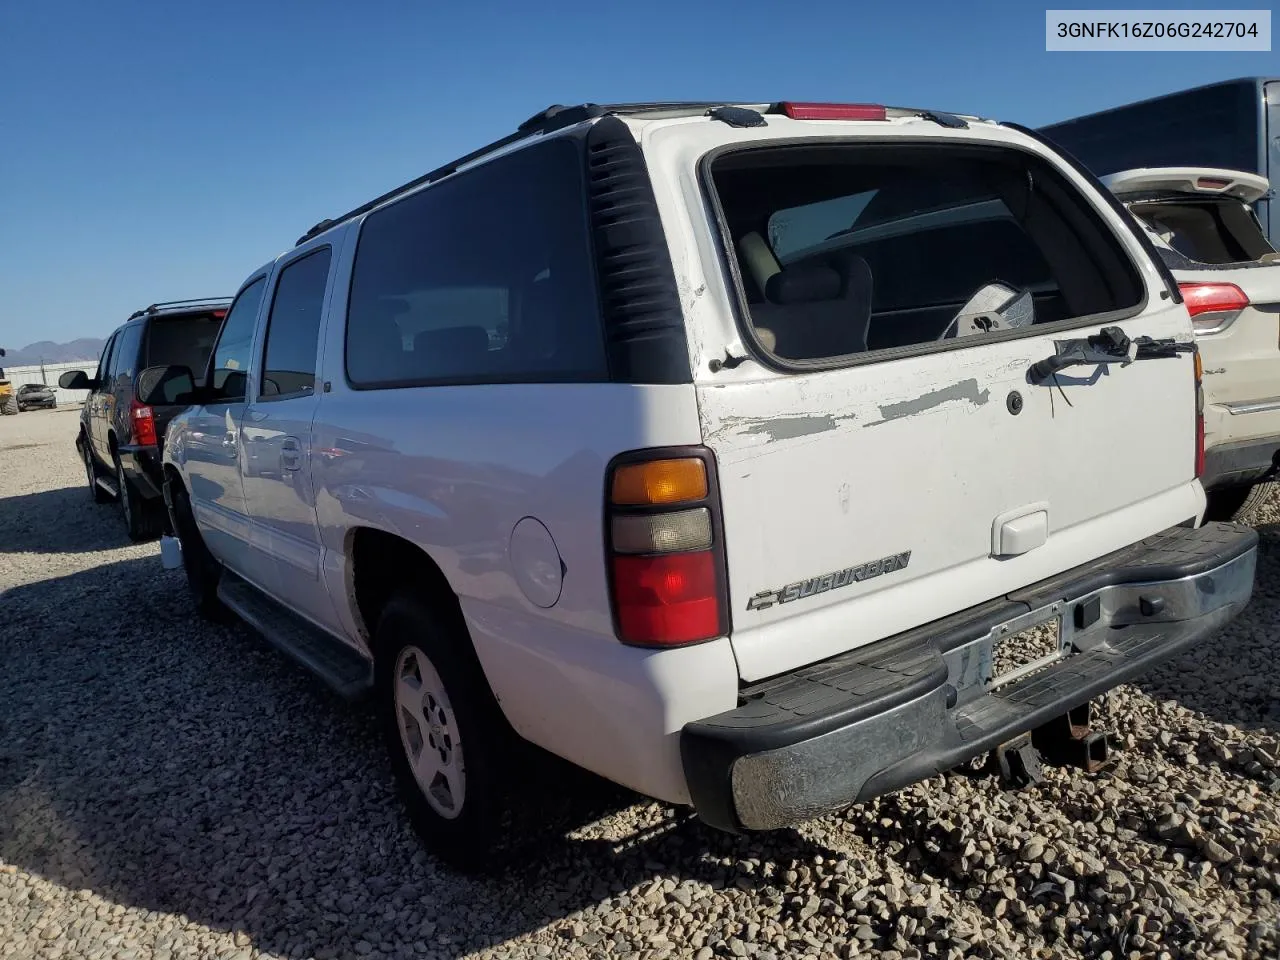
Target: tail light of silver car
[
  {"x": 666, "y": 548},
  {"x": 1213, "y": 306}
]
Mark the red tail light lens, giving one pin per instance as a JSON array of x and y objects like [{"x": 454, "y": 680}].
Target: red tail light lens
[
  {"x": 1199, "y": 445},
  {"x": 833, "y": 111},
  {"x": 144, "y": 425},
  {"x": 1209, "y": 303},
  {"x": 666, "y": 600}
]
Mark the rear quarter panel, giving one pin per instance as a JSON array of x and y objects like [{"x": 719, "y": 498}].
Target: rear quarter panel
[{"x": 453, "y": 469}]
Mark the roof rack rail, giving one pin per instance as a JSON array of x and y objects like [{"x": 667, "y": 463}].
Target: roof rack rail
[
  {"x": 559, "y": 116},
  {"x": 555, "y": 117},
  {"x": 175, "y": 303}
]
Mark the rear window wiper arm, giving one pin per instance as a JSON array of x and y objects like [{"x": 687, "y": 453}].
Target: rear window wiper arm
[{"x": 1109, "y": 345}]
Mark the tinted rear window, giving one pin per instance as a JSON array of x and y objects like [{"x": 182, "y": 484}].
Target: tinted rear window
[
  {"x": 853, "y": 248},
  {"x": 484, "y": 277},
  {"x": 184, "y": 340}
]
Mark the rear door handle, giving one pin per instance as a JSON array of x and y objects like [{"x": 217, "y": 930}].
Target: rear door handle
[
  {"x": 290, "y": 453},
  {"x": 1020, "y": 531}
]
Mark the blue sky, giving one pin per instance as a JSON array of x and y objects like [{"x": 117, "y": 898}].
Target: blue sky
[{"x": 153, "y": 151}]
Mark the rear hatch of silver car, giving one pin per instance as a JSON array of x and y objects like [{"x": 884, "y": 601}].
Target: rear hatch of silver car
[
  {"x": 1210, "y": 238},
  {"x": 892, "y": 454}
]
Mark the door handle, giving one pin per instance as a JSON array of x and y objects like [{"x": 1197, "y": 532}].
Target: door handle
[
  {"x": 290, "y": 453},
  {"x": 1020, "y": 531}
]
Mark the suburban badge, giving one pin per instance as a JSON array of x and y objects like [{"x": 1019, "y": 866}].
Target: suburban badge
[{"x": 829, "y": 581}]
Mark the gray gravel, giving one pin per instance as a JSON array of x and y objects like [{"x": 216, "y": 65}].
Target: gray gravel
[{"x": 174, "y": 790}]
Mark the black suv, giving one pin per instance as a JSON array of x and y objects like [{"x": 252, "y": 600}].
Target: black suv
[{"x": 124, "y": 418}]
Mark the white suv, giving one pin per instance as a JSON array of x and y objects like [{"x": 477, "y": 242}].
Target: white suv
[
  {"x": 762, "y": 458},
  {"x": 1205, "y": 231}
]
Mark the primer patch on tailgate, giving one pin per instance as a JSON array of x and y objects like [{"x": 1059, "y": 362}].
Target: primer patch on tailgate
[{"x": 964, "y": 390}]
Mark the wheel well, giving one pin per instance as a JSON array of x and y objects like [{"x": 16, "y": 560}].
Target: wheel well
[{"x": 382, "y": 563}]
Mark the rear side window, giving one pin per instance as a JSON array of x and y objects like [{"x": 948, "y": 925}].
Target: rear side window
[
  {"x": 231, "y": 357},
  {"x": 293, "y": 328},
  {"x": 184, "y": 340},
  {"x": 483, "y": 278},
  {"x": 849, "y": 249}
]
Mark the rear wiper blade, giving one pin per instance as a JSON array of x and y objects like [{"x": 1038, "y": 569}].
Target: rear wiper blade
[{"x": 1109, "y": 345}]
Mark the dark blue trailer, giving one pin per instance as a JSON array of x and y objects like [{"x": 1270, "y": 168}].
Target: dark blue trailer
[{"x": 1233, "y": 124}]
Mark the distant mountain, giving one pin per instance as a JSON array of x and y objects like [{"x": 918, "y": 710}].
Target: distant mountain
[{"x": 86, "y": 348}]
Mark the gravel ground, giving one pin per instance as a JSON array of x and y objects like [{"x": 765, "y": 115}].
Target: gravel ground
[{"x": 174, "y": 790}]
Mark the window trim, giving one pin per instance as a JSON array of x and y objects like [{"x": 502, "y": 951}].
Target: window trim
[
  {"x": 207, "y": 379},
  {"x": 589, "y": 261},
  {"x": 741, "y": 309},
  {"x": 260, "y": 397}
]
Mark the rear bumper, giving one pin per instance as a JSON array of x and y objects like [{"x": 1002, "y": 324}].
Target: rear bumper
[
  {"x": 143, "y": 466},
  {"x": 1245, "y": 461},
  {"x": 902, "y": 709}
]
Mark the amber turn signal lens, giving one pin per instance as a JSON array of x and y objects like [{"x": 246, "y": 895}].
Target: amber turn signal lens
[
  {"x": 1199, "y": 366},
  {"x": 659, "y": 481}
]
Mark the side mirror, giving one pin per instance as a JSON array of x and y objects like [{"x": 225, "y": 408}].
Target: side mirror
[
  {"x": 166, "y": 386},
  {"x": 76, "y": 380}
]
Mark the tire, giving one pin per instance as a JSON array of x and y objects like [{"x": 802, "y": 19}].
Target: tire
[
  {"x": 1242, "y": 504},
  {"x": 436, "y": 709},
  {"x": 142, "y": 518},
  {"x": 203, "y": 571},
  {"x": 96, "y": 492},
  {"x": 10, "y": 406}
]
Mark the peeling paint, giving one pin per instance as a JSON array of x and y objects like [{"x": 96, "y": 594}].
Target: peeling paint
[
  {"x": 964, "y": 390},
  {"x": 789, "y": 427},
  {"x": 1210, "y": 373}
]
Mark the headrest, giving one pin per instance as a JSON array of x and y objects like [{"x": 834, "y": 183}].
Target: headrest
[
  {"x": 758, "y": 259},
  {"x": 458, "y": 341},
  {"x": 804, "y": 284}
]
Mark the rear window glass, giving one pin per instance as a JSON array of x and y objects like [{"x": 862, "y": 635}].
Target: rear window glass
[
  {"x": 185, "y": 340},
  {"x": 484, "y": 277},
  {"x": 848, "y": 249}
]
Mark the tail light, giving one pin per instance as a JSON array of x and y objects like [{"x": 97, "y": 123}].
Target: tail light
[
  {"x": 1199, "y": 373},
  {"x": 1213, "y": 306},
  {"x": 666, "y": 549},
  {"x": 833, "y": 111},
  {"x": 144, "y": 424}
]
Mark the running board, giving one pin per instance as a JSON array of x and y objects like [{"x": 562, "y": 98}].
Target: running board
[{"x": 348, "y": 673}]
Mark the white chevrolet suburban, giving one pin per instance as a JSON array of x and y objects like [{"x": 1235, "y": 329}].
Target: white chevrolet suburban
[
  {"x": 1206, "y": 232},
  {"x": 744, "y": 455}
]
